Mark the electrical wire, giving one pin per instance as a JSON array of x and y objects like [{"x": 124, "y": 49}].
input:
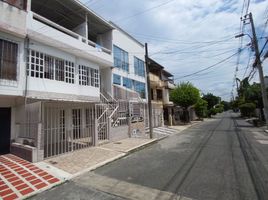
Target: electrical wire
[{"x": 222, "y": 61}]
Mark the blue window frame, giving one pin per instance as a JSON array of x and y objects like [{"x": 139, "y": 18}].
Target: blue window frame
[
  {"x": 116, "y": 79},
  {"x": 127, "y": 83},
  {"x": 140, "y": 88},
  {"x": 121, "y": 60},
  {"x": 139, "y": 67}
]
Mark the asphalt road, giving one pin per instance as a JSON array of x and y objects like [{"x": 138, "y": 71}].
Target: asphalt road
[{"x": 214, "y": 160}]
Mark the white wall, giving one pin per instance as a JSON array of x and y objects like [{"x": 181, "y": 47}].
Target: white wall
[
  {"x": 133, "y": 48},
  {"x": 74, "y": 45},
  {"x": 36, "y": 86},
  {"x": 15, "y": 88},
  {"x": 12, "y": 20}
]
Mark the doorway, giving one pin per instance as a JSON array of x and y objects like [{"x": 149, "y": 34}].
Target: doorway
[{"x": 5, "y": 123}]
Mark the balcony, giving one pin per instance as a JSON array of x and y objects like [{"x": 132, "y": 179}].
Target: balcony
[
  {"x": 169, "y": 85},
  {"x": 59, "y": 24},
  {"x": 13, "y": 17}
]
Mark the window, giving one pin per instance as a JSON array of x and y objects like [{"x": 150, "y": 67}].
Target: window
[
  {"x": 140, "y": 88},
  {"x": 96, "y": 78},
  {"x": 127, "y": 82},
  {"x": 69, "y": 72},
  {"x": 116, "y": 79},
  {"x": 8, "y": 60},
  {"x": 49, "y": 67},
  {"x": 121, "y": 59},
  {"x": 88, "y": 76},
  {"x": 159, "y": 94},
  {"x": 139, "y": 67},
  {"x": 36, "y": 66},
  {"x": 45, "y": 66}
]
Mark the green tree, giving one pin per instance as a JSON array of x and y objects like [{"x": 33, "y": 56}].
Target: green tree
[
  {"x": 211, "y": 99},
  {"x": 185, "y": 95},
  {"x": 201, "y": 108}
]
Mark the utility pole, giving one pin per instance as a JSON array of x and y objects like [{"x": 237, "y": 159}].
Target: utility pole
[
  {"x": 259, "y": 67},
  {"x": 148, "y": 91}
]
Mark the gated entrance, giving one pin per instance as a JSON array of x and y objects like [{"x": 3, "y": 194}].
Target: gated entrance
[
  {"x": 5, "y": 123},
  {"x": 67, "y": 128}
]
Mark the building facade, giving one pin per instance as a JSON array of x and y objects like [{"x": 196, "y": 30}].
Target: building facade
[
  {"x": 161, "y": 82},
  {"x": 68, "y": 79}
]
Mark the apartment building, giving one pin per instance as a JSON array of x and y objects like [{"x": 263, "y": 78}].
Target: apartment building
[
  {"x": 53, "y": 55},
  {"x": 161, "y": 82}
]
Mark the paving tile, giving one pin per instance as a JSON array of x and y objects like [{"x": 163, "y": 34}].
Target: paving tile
[
  {"x": 10, "y": 197},
  {"x": 3, "y": 187},
  {"x": 36, "y": 181},
  {"x": 5, "y": 192},
  {"x": 26, "y": 191},
  {"x": 24, "y": 176},
  {"x": 16, "y": 183},
  {"x": 21, "y": 187},
  {"x": 40, "y": 186},
  {"x": 54, "y": 180}
]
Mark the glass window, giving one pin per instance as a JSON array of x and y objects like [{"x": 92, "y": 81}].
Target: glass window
[
  {"x": 116, "y": 79},
  {"x": 139, "y": 67},
  {"x": 121, "y": 58},
  {"x": 8, "y": 60},
  {"x": 127, "y": 82},
  {"x": 140, "y": 88}
]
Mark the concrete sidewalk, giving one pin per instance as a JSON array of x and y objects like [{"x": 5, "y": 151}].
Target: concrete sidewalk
[{"x": 73, "y": 164}]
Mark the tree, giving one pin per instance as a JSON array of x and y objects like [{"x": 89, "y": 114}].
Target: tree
[
  {"x": 201, "y": 108},
  {"x": 185, "y": 95},
  {"x": 226, "y": 105},
  {"x": 211, "y": 99}
]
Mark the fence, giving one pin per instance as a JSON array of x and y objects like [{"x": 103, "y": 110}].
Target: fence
[{"x": 67, "y": 128}]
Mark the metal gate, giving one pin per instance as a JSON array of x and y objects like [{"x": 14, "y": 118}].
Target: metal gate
[
  {"x": 102, "y": 114},
  {"x": 67, "y": 128}
]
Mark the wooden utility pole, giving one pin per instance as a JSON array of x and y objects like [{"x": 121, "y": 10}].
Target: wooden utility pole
[
  {"x": 259, "y": 67},
  {"x": 148, "y": 91}
]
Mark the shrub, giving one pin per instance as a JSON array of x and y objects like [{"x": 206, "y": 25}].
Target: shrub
[{"x": 247, "y": 109}]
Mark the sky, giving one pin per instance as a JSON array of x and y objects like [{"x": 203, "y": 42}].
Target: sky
[{"x": 186, "y": 36}]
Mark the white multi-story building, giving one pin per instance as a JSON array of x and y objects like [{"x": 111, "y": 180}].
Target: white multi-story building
[
  {"x": 53, "y": 54},
  {"x": 129, "y": 68}
]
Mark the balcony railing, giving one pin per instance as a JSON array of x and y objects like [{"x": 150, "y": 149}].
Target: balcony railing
[{"x": 70, "y": 33}]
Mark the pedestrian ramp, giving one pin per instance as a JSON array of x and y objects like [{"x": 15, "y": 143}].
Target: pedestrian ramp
[{"x": 162, "y": 131}]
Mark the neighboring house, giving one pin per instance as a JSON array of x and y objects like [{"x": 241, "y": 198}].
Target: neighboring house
[
  {"x": 129, "y": 66},
  {"x": 129, "y": 87},
  {"x": 53, "y": 54},
  {"x": 161, "y": 82}
]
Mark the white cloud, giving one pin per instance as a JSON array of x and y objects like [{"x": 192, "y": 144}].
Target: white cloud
[{"x": 181, "y": 25}]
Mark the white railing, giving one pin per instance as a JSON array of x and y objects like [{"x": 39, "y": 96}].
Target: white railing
[{"x": 70, "y": 33}]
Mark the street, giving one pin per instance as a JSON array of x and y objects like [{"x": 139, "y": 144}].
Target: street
[{"x": 222, "y": 158}]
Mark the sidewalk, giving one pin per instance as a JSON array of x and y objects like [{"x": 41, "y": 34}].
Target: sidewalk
[{"x": 78, "y": 162}]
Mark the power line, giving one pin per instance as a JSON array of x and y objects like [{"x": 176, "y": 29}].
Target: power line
[
  {"x": 144, "y": 11},
  {"x": 222, "y": 61}
]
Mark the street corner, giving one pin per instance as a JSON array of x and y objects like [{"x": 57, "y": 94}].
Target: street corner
[{"x": 20, "y": 179}]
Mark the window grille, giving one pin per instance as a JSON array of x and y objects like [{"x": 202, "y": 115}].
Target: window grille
[{"x": 8, "y": 60}]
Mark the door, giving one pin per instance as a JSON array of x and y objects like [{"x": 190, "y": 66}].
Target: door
[{"x": 5, "y": 123}]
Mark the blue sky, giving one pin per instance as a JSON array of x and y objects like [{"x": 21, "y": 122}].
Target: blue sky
[{"x": 188, "y": 35}]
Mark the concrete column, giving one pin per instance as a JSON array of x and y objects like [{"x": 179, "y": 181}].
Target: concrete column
[{"x": 170, "y": 122}]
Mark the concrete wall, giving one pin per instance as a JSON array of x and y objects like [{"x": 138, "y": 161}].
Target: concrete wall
[
  {"x": 66, "y": 40},
  {"x": 12, "y": 20}
]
